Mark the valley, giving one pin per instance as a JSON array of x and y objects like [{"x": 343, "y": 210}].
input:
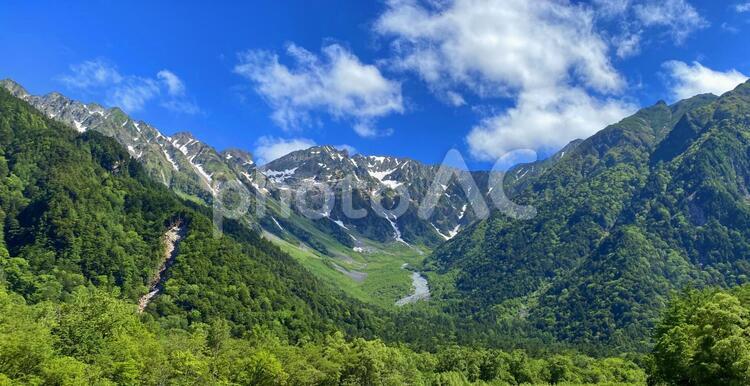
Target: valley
[
  {"x": 375, "y": 193},
  {"x": 485, "y": 284},
  {"x": 363, "y": 256},
  {"x": 375, "y": 276}
]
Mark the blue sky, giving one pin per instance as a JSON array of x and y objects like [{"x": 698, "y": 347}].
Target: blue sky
[{"x": 405, "y": 78}]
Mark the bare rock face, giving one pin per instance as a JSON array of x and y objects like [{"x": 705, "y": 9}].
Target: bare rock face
[{"x": 171, "y": 239}]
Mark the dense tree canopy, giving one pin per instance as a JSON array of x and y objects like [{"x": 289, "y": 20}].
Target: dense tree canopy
[{"x": 703, "y": 338}]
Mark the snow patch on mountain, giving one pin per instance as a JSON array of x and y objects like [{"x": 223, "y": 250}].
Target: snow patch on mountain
[
  {"x": 380, "y": 175},
  {"x": 454, "y": 232},
  {"x": 183, "y": 148},
  {"x": 341, "y": 224},
  {"x": 392, "y": 184},
  {"x": 79, "y": 126},
  {"x": 171, "y": 161},
  {"x": 396, "y": 231},
  {"x": 277, "y": 223},
  {"x": 202, "y": 172},
  {"x": 279, "y": 176},
  {"x": 440, "y": 233},
  {"x": 463, "y": 211}
]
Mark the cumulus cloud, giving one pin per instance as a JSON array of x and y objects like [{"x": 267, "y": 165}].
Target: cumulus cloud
[
  {"x": 336, "y": 83},
  {"x": 269, "y": 148},
  {"x": 742, "y": 7},
  {"x": 129, "y": 92},
  {"x": 628, "y": 44},
  {"x": 494, "y": 45},
  {"x": 687, "y": 80},
  {"x": 544, "y": 119},
  {"x": 546, "y": 55}
]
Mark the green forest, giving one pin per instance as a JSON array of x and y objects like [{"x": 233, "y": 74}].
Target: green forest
[
  {"x": 82, "y": 237},
  {"x": 640, "y": 210},
  {"x": 82, "y": 226}
]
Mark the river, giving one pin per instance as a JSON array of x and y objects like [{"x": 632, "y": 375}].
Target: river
[{"x": 421, "y": 290}]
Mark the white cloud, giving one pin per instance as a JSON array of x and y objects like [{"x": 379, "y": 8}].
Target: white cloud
[
  {"x": 742, "y": 7},
  {"x": 365, "y": 129},
  {"x": 336, "y": 83},
  {"x": 133, "y": 93},
  {"x": 627, "y": 22},
  {"x": 181, "y": 105},
  {"x": 544, "y": 119},
  {"x": 91, "y": 73},
  {"x": 349, "y": 148},
  {"x": 729, "y": 28},
  {"x": 628, "y": 44},
  {"x": 129, "y": 92},
  {"x": 689, "y": 80},
  {"x": 678, "y": 16},
  {"x": 174, "y": 84},
  {"x": 546, "y": 55},
  {"x": 505, "y": 45},
  {"x": 611, "y": 8},
  {"x": 268, "y": 148},
  {"x": 455, "y": 99}
]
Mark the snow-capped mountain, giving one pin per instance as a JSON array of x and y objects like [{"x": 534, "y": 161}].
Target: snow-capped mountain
[
  {"x": 383, "y": 179},
  {"x": 179, "y": 161},
  {"x": 196, "y": 169}
]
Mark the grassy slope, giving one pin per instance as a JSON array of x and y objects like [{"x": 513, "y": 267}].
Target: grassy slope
[{"x": 385, "y": 280}]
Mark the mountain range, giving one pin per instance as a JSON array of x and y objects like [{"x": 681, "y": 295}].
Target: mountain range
[
  {"x": 653, "y": 204},
  {"x": 195, "y": 169}
]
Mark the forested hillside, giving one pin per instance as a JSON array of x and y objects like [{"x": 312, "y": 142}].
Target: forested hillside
[
  {"x": 651, "y": 204},
  {"x": 93, "y": 338},
  {"x": 78, "y": 210},
  {"x": 655, "y": 203},
  {"x": 334, "y": 247},
  {"x": 82, "y": 239}
]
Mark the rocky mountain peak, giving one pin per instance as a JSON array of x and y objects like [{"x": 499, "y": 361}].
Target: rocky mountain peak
[{"x": 14, "y": 88}]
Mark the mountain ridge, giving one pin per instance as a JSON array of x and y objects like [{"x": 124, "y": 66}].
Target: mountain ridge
[
  {"x": 611, "y": 240},
  {"x": 194, "y": 168}
]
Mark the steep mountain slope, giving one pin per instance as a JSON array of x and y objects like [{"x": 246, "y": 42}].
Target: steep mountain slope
[
  {"x": 80, "y": 214},
  {"x": 641, "y": 208},
  {"x": 382, "y": 179},
  {"x": 519, "y": 176},
  {"x": 361, "y": 255},
  {"x": 78, "y": 210},
  {"x": 180, "y": 161},
  {"x": 193, "y": 168}
]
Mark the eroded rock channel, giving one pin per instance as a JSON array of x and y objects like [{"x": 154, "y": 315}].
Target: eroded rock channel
[{"x": 171, "y": 240}]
